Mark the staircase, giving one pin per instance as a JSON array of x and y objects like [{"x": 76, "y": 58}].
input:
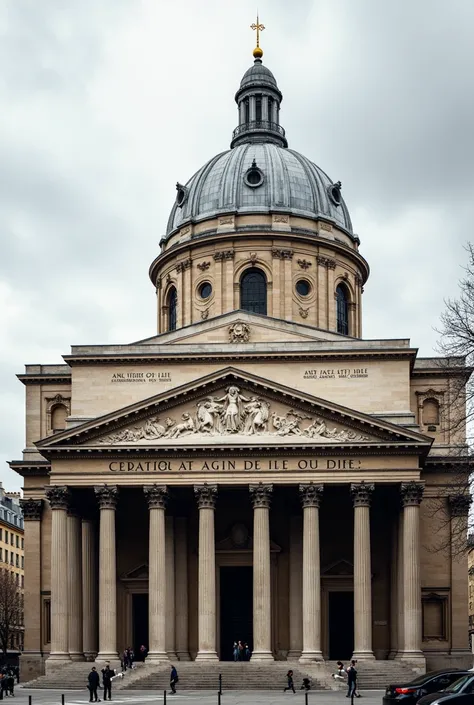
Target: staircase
[
  {"x": 376, "y": 675},
  {"x": 73, "y": 676}
]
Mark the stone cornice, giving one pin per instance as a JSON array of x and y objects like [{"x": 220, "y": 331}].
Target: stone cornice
[
  {"x": 45, "y": 379},
  {"x": 30, "y": 469}
]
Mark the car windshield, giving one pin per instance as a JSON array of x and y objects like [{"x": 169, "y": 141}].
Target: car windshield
[
  {"x": 426, "y": 677},
  {"x": 457, "y": 685}
]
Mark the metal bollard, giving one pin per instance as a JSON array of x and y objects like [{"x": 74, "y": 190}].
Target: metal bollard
[
  {"x": 164, "y": 697},
  {"x": 218, "y": 697},
  {"x": 29, "y": 699},
  {"x": 62, "y": 699},
  {"x": 306, "y": 698},
  {"x": 220, "y": 684}
]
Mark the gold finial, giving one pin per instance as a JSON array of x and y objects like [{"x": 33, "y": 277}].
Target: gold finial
[{"x": 257, "y": 52}]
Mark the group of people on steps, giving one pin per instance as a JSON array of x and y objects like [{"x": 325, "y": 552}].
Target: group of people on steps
[{"x": 342, "y": 673}]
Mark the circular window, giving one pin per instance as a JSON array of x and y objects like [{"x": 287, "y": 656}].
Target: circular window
[
  {"x": 181, "y": 194},
  {"x": 205, "y": 290},
  {"x": 334, "y": 192},
  {"x": 254, "y": 177},
  {"x": 303, "y": 287}
]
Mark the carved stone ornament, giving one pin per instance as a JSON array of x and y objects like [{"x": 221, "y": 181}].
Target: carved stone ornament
[
  {"x": 326, "y": 226},
  {"x": 186, "y": 230},
  {"x": 203, "y": 266},
  {"x": 459, "y": 505},
  {"x": 226, "y": 220},
  {"x": 282, "y": 254},
  {"x": 156, "y": 496},
  {"x": 205, "y": 314},
  {"x": 412, "y": 493},
  {"x": 311, "y": 495},
  {"x": 304, "y": 264},
  {"x": 361, "y": 493},
  {"x": 159, "y": 283},
  {"x": 107, "y": 496},
  {"x": 206, "y": 496},
  {"x": 32, "y": 509},
  {"x": 239, "y": 332},
  {"x": 358, "y": 279},
  {"x": 224, "y": 254},
  {"x": 261, "y": 495},
  {"x": 327, "y": 262},
  {"x": 281, "y": 219},
  {"x": 253, "y": 257},
  {"x": 235, "y": 413},
  {"x": 185, "y": 264},
  {"x": 58, "y": 496},
  {"x": 303, "y": 312}
]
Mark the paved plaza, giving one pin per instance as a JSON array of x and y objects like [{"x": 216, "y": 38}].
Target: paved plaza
[{"x": 235, "y": 697}]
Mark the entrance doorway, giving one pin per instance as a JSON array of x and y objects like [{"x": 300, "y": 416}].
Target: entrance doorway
[
  {"x": 236, "y": 600},
  {"x": 140, "y": 623},
  {"x": 341, "y": 625}
]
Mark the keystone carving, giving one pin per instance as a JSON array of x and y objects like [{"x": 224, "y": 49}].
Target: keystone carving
[
  {"x": 311, "y": 495},
  {"x": 32, "y": 509},
  {"x": 261, "y": 495},
  {"x": 412, "y": 493},
  {"x": 206, "y": 496},
  {"x": 107, "y": 496},
  {"x": 156, "y": 496},
  {"x": 58, "y": 496},
  {"x": 303, "y": 312},
  {"x": 239, "y": 333},
  {"x": 361, "y": 493}
]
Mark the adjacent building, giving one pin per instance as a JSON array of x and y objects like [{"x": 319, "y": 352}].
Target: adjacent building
[
  {"x": 12, "y": 549},
  {"x": 255, "y": 469}
]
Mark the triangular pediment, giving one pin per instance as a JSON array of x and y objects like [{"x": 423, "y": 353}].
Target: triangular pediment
[
  {"x": 242, "y": 327},
  {"x": 340, "y": 567},
  {"x": 138, "y": 573},
  {"x": 230, "y": 408}
]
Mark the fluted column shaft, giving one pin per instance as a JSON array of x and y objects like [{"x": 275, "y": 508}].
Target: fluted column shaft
[
  {"x": 206, "y": 496},
  {"x": 157, "y": 496},
  {"x": 32, "y": 513},
  {"x": 170, "y": 589},
  {"x": 181, "y": 588},
  {"x": 400, "y": 588},
  {"x": 58, "y": 498},
  {"x": 296, "y": 588},
  {"x": 412, "y": 494},
  {"x": 74, "y": 579},
  {"x": 361, "y": 494},
  {"x": 311, "y": 497},
  {"x": 107, "y": 496},
  {"x": 262, "y": 608},
  {"x": 89, "y": 589}
]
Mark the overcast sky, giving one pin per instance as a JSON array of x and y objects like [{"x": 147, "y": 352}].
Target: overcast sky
[{"x": 105, "y": 104}]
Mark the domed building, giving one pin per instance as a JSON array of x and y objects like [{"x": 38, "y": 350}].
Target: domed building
[{"x": 255, "y": 472}]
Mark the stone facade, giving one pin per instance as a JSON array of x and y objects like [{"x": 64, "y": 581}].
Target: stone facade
[{"x": 276, "y": 457}]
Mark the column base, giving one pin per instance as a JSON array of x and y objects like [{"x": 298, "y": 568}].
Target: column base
[
  {"x": 156, "y": 657},
  {"x": 262, "y": 656},
  {"x": 293, "y": 655},
  {"x": 183, "y": 655},
  {"x": 90, "y": 655},
  {"x": 62, "y": 656},
  {"x": 107, "y": 656},
  {"x": 363, "y": 656},
  {"x": 206, "y": 656},
  {"x": 417, "y": 658},
  {"x": 76, "y": 656},
  {"x": 310, "y": 656},
  {"x": 172, "y": 655}
]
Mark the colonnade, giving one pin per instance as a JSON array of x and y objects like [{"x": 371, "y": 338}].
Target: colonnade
[{"x": 74, "y": 599}]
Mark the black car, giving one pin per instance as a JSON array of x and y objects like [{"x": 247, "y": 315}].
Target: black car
[
  {"x": 463, "y": 686},
  {"x": 409, "y": 693}
]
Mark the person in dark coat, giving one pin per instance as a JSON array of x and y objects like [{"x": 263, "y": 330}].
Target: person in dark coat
[
  {"x": 93, "y": 683},
  {"x": 107, "y": 675},
  {"x": 173, "y": 680},
  {"x": 352, "y": 680},
  {"x": 290, "y": 684}
]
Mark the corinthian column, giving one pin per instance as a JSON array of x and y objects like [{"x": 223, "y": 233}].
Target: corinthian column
[
  {"x": 74, "y": 577},
  {"x": 311, "y": 497},
  {"x": 181, "y": 565},
  {"x": 412, "y": 494},
  {"x": 107, "y": 496},
  {"x": 32, "y": 512},
  {"x": 170, "y": 589},
  {"x": 262, "y": 610},
  {"x": 206, "y": 496},
  {"x": 58, "y": 498},
  {"x": 157, "y": 496},
  {"x": 89, "y": 589},
  {"x": 361, "y": 495}
]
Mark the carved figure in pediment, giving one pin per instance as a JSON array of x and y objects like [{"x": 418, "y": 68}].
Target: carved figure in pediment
[
  {"x": 153, "y": 429},
  {"x": 182, "y": 429},
  {"x": 288, "y": 425},
  {"x": 257, "y": 412},
  {"x": 208, "y": 416},
  {"x": 234, "y": 410}
]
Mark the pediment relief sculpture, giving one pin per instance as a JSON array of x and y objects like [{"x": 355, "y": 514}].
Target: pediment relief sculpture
[{"x": 234, "y": 413}]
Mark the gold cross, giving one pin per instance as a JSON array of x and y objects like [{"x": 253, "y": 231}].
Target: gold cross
[{"x": 259, "y": 27}]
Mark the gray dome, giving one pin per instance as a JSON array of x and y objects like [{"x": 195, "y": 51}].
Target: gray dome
[
  {"x": 289, "y": 182},
  {"x": 258, "y": 73}
]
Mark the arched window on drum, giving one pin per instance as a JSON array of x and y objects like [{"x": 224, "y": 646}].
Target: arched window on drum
[
  {"x": 253, "y": 291},
  {"x": 172, "y": 308},
  {"x": 342, "y": 309}
]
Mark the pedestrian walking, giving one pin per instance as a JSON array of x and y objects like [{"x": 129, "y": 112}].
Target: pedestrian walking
[
  {"x": 107, "y": 675},
  {"x": 340, "y": 674},
  {"x": 173, "y": 680},
  {"x": 290, "y": 684},
  {"x": 306, "y": 685},
  {"x": 235, "y": 651},
  {"x": 93, "y": 682},
  {"x": 352, "y": 680}
]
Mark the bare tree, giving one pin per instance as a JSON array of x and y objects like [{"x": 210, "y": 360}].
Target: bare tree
[{"x": 11, "y": 608}]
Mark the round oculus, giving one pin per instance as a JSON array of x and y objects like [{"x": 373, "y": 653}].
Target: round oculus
[
  {"x": 254, "y": 177},
  {"x": 205, "y": 290},
  {"x": 334, "y": 193},
  {"x": 303, "y": 287},
  {"x": 181, "y": 194}
]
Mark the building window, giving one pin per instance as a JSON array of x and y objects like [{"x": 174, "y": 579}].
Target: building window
[
  {"x": 6, "y": 536},
  {"x": 253, "y": 291},
  {"x": 172, "y": 308},
  {"x": 17, "y": 541},
  {"x": 22, "y": 544},
  {"x": 434, "y": 613},
  {"x": 58, "y": 418},
  {"x": 1, "y": 534},
  {"x": 17, "y": 560},
  {"x": 22, "y": 581},
  {"x": 258, "y": 108},
  {"x": 12, "y": 538},
  {"x": 22, "y": 562},
  {"x": 430, "y": 412},
  {"x": 342, "y": 303},
  {"x": 1, "y": 555},
  {"x": 47, "y": 621},
  {"x": 12, "y": 560}
]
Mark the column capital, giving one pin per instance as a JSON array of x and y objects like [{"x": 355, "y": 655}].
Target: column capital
[
  {"x": 32, "y": 509},
  {"x": 156, "y": 496},
  {"x": 362, "y": 493},
  {"x": 58, "y": 496},
  {"x": 206, "y": 496},
  {"x": 459, "y": 505},
  {"x": 412, "y": 493},
  {"x": 261, "y": 495},
  {"x": 311, "y": 495},
  {"x": 107, "y": 496}
]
